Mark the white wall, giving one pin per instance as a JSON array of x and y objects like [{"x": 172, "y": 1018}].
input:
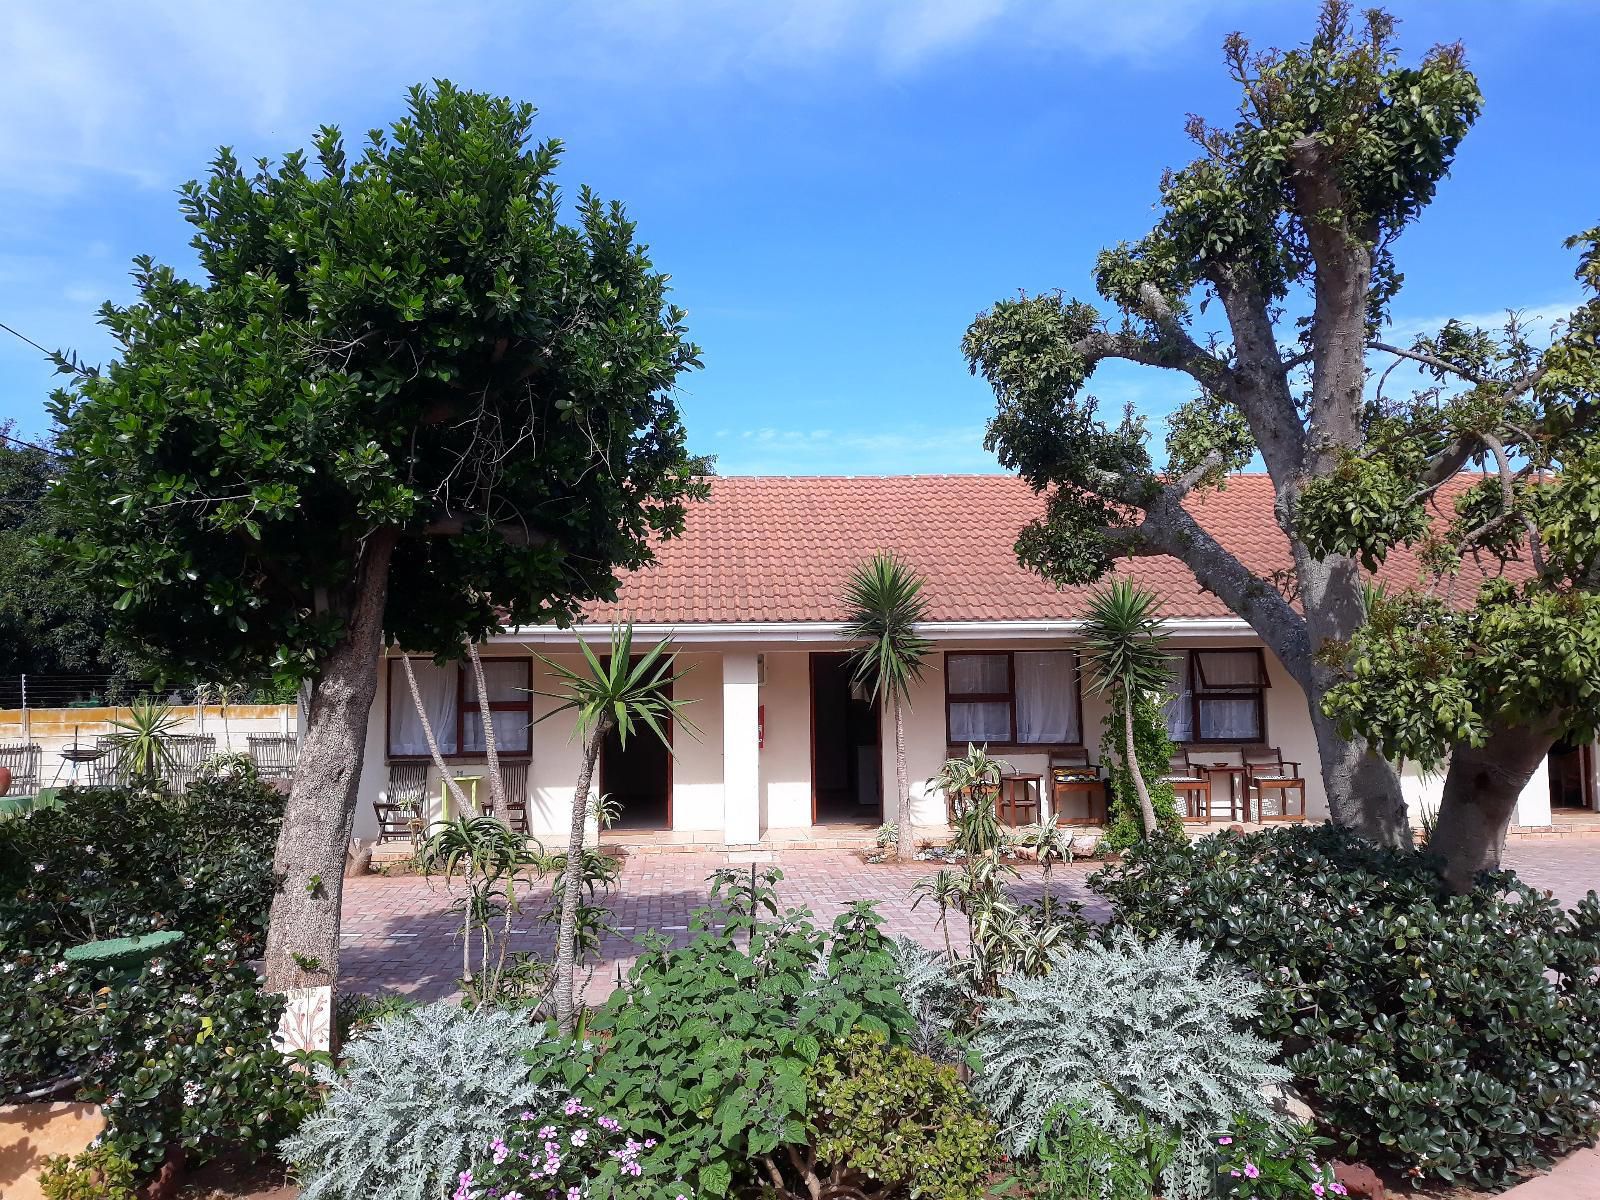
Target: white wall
[{"x": 786, "y": 756}]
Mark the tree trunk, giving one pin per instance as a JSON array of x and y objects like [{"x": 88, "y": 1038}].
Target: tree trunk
[
  {"x": 1147, "y": 809},
  {"x": 321, "y": 808},
  {"x": 1480, "y": 794},
  {"x": 566, "y": 1000},
  {"x": 906, "y": 848},
  {"x": 497, "y": 784}
]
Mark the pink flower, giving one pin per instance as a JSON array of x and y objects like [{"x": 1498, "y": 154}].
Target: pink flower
[
  {"x": 1340, "y": 1190},
  {"x": 1224, "y": 1141},
  {"x": 609, "y": 1124},
  {"x": 547, "y": 1132},
  {"x": 1235, "y": 1174},
  {"x": 1316, "y": 1189},
  {"x": 500, "y": 1151},
  {"x": 463, "y": 1186},
  {"x": 579, "y": 1137},
  {"x": 1251, "y": 1170},
  {"x": 574, "y": 1193}
]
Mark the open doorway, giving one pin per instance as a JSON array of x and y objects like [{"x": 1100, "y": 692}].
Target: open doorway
[
  {"x": 1572, "y": 775},
  {"x": 638, "y": 778},
  {"x": 846, "y": 759}
]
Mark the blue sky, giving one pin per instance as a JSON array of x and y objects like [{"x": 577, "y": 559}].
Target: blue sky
[{"x": 836, "y": 186}]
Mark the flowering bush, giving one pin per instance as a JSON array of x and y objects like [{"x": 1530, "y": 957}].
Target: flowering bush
[
  {"x": 1447, "y": 1037},
  {"x": 1257, "y": 1162},
  {"x": 569, "y": 1154}
]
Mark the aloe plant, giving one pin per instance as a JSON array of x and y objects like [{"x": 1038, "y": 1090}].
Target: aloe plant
[{"x": 143, "y": 742}]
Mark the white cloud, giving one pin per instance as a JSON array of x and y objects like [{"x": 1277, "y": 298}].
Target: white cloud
[
  {"x": 1538, "y": 320},
  {"x": 928, "y": 450}
]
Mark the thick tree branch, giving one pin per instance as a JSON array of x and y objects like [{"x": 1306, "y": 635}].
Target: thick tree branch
[
  {"x": 1513, "y": 388},
  {"x": 454, "y": 524},
  {"x": 1261, "y": 380}
]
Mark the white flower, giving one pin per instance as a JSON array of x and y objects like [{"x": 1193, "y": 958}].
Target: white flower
[
  {"x": 188, "y": 998},
  {"x": 192, "y": 1093},
  {"x": 9, "y": 967},
  {"x": 38, "y": 868},
  {"x": 149, "y": 1045}
]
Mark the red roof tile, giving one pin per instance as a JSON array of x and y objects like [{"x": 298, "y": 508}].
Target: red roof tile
[{"x": 766, "y": 549}]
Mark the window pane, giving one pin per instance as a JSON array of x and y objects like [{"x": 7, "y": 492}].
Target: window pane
[
  {"x": 1220, "y": 670},
  {"x": 1227, "y": 720},
  {"x": 1178, "y": 711},
  {"x": 437, "y": 687},
  {"x": 1047, "y": 696},
  {"x": 986, "y": 722},
  {"x": 506, "y": 679},
  {"x": 510, "y": 731},
  {"x": 977, "y": 674}
]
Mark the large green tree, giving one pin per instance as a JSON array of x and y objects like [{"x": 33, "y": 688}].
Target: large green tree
[
  {"x": 1265, "y": 282},
  {"x": 404, "y": 399}
]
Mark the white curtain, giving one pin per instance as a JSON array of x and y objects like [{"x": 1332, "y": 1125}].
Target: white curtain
[
  {"x": 1229, "y": 720},
  {"x": 510, "y": 730},
  {"x": 1230, "y": 683},
  {"x": 504, "y": 680},
  {"x": 989, "y": 721},
  {"x": 1178, "y": 710},
  {"x": 1047, "y": 696},
  {"x": 1229, "y": 669},
  {"x": 437, "y": 687},
  {"x": 977, "y": 674}
]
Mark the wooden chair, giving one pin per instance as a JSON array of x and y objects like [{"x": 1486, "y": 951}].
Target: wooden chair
[
  {"x": 1267, "y": 772},
  {"x": 514, "y": 778},
  {"x": 274, "y": 754},
  {"x": 188, "y": 753},
  {"x": 1073, "y": 775},
  {"x": 1191, "y": 786},
  {"x": 1019, "y": 800},
  {"x": 107, "y": 770},
  {"x": 23, "y": 759},
  {"x": 405, "y": 800}
]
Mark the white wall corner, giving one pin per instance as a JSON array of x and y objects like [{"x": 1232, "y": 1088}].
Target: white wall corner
[{"x": 741, "y": 755}]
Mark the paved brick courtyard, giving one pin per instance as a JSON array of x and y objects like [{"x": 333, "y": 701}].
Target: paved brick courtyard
[{"x": 399, "y": 933}]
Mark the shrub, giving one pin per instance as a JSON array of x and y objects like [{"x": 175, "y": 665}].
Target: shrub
[
  {"x": 892, "y": 1118},
  {"x": 1445, "y": 1037},
  {"x": 1154, "y": 750},
  {"x": 354, "y": 1013},
  {"x": 561, "y": 1151},
  {"x": 1256, "y": 1161},
  {"x": 418, "y": 1098},
  {"x": 1130, "y": 1034},
  {"x": 939, "y": 1002},
  {"x": 707, "y": 1048},
  {"x": 99, "y": 1173},
  {"x": 1077, "y": 1160}
]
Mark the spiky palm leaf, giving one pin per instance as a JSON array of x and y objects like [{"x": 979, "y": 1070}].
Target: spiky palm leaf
[{"x": 886, "y": 604}]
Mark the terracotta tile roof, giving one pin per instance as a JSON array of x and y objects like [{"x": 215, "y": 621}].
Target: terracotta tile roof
[{"x": 766, "y": 549}]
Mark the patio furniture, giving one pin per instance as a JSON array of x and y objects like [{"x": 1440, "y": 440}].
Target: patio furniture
[
  {"x": 1020, "y": 799},
  {"x": 85, "y": 758},
  {"x": 404, "y": 801},
  {"x": 274, "y": 754},
  {"x": 469, "y": 788},
  {"x": 514, "y": 779},
  {"x": 23, "y": 760},
  {"x": 1072, "y": 775},
  {"x": 1272, "y": 776},
  {"x": 1191, "y": 786},
  {"x": 188, "y": 752},
  {"x": 106, "y": 770}
]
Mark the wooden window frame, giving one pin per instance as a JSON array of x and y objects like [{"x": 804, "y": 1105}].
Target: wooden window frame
[
  {"x": 1009, "y": 697},
  {"x": 462, "y": 669},
  {"x": 1236, "y": 692}
]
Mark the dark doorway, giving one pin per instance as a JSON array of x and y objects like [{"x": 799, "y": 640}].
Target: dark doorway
[
  {"x": 1571, "y": 770},
  {"x": 638, "y": 779},
  {"x": 846, "y": 760}
]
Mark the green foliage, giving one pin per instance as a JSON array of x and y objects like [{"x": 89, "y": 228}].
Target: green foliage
[
  {"x": 355, "y": 1013},
  {"x": 1153, "y": 748},
  {"x": 415, "y": 1102},
  {"x": 1259, "y": 1161},
  {"x": 901, "y": 1122},
  {"x": 885, "y": 604},
  {"x": 143, "y": 742},
  {"x": 99, "y": 1173},
  {"x": 1078, "y": 1160},
  {"x": 938, "y": 1001},
  {"x": 1136, "y": 1037},
  {"x": 592, "y": 1155},
  {"x": 1426, "y": 1029},
  {"x": 1207, "y": 426},
  {"x": 707, "y": 1048},
  {"x": 378, "y": 341},
  {"x": 623, "y": 692}
]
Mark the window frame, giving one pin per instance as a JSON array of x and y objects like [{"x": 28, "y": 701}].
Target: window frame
[
  {"x": 462, "y": 670},
  {"x": 1009, "y": 698},
  {"x": 1226, "y": 691}
]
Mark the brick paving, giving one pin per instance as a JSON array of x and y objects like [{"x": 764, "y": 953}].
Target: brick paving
[{"x": 399, "y": 933}]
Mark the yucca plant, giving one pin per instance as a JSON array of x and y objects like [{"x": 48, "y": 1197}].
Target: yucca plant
[
  {"x": 635, "y": 699},
  {"x": 972, "y": 779},
  {"x": 1122, "y": 650},
  {"x": 885, "y": 602},
  {"x": 143, "y": 742},
  {"x": 489, "y": 860}
]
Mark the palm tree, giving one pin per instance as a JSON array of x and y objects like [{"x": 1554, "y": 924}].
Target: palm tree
[
  {"x": 621, "y": 694},
  {"x": 885, "y": 601},
  {"x": 1123, "y": 650}
]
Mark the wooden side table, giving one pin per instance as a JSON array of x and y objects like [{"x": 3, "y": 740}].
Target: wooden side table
[
  {"x": 1066, "y": 785},
  {"x": 1021, "y": 796},
  {"x": 1238, "y": 787},
  {"x": 1284, "y": 786}
]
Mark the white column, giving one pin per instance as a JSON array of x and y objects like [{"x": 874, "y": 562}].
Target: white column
[
  {"x": 1533, "y": 806},
  {"x": 741, "y": 756}
]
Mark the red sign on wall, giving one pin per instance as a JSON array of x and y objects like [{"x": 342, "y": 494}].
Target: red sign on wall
[{"x": 761, "y": 727}]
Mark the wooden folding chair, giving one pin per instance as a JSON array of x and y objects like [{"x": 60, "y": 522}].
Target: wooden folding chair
[{"x": 404, "y": 801}]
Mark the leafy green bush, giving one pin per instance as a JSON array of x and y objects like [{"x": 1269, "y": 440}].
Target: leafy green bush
[
  {"x": 1154, "y": 750},
  {"x": 1135, "y": 1036},
  {"x": 1256, "y": 1161},
  {"x": 99, "y": 1173},
  {"x": 891, "y": 1121},
  {"x": 560, "y": 1151},
  {"x": 1446, "y": 1037},
  {"x": 1078, "y": 1160},
  {"x": 418, "y": 1098},
  {"x": 707, "y": 1049}
]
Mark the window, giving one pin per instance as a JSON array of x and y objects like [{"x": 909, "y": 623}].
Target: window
[
  {"x": 449, "y": 694},
  {"x": 1226, "y": 695},
  {"x": 1180, "y": 705},
  {"x": 1020, "y": 698}
]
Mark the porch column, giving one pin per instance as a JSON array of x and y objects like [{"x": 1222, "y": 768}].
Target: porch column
[{"x": 741, "y": 763}]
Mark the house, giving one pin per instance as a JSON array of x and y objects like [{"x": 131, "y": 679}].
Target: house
[{"x": 784, "y": 747}]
